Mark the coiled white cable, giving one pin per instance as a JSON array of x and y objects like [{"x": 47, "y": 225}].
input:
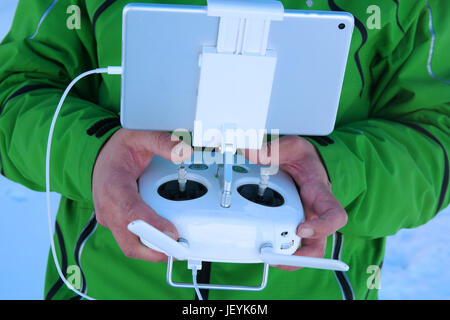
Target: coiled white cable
[{"x": 109, "y": 70}]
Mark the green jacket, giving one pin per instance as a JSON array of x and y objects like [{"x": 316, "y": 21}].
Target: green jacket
[{"x": 387, "y": 158}]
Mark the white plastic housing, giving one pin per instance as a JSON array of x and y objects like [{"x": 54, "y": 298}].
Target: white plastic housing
[
  {"x": 159, "y": 240},
  {"x": 234, "y": 89},
  {"x": 234, "y": 234}
]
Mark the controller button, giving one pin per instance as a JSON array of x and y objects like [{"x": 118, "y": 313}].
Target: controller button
[
  {"x": 240, "y": 169},
  {"x": 198, "y": 166}
]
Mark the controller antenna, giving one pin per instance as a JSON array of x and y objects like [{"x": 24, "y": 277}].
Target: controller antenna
[
  {"x": 227, "y": 175},
  {"x": 182, "y": 180}
]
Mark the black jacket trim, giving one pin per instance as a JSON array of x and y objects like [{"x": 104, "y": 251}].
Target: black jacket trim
[
  {"x": 2, "y": 171},
  {"x": 59, "y": 283},
  {"x": 345, "y": 285},
  {"x": 364, "y": 35},
  {"x": 100, "y": 128},
  {"x": 87, "y": 231},
  {"x": 445, "y": 179},
  {"x": 204, "y": 276},
  {"x": 397, "y": 14},
  {"x": 321, "y": 140},
  {"x": 26, "y": 89},
  {"x": 105, "y": 5},
  {"x": 103, "y": 130},
  {"x": 96, "y": 126},
  {"x": 19, "y": 92}
]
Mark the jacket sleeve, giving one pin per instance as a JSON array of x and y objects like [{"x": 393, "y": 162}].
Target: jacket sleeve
[
  {"x": 39, "y": 57},
  {"x": 392, "y": 170}
]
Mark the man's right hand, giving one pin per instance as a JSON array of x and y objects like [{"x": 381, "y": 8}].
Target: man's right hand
[{"x": 117, "y": 201}]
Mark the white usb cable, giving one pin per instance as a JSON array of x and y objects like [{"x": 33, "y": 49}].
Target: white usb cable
[
  {"x": 195, "y": 265},
  {"x": 194, "y": 281},
  {"x": 109, "y": 70}
]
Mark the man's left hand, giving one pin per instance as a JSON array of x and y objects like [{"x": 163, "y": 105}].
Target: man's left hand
[{"x": 324, "y": 215}]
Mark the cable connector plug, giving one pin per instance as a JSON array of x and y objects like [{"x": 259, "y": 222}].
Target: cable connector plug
[
  {"x": 195, "y": 265},
  {"x": 114, "y": 70}
]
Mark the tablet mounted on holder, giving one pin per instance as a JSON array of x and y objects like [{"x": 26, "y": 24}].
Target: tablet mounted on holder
[{"x": 230, "y": 72}]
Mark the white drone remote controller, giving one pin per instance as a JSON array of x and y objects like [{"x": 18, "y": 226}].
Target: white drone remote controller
[
  {"x": 236, "y": 212},
  {"x": 259, "y": 226}
]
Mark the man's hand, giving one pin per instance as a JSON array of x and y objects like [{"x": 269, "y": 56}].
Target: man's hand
[
  {"x": 324, "y": 214},
  {"x": 117, "y": 202}
]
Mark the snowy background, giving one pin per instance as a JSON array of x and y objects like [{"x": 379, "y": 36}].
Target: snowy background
[{"x": 416, "y": 265}]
